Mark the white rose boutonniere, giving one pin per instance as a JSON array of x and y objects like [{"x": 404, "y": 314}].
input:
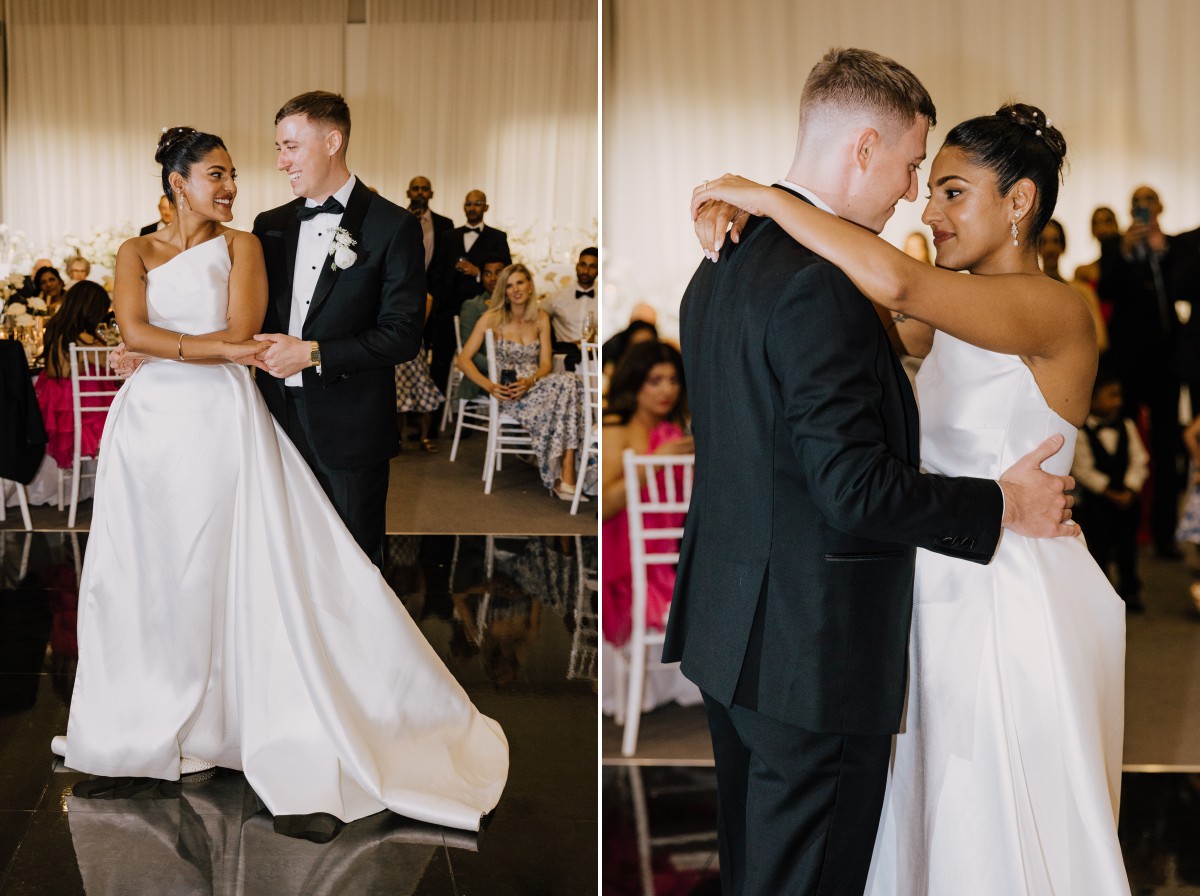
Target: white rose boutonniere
[{"x": 343, "y": 255}]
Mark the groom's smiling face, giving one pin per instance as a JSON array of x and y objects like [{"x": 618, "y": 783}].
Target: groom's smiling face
[{"x": 307, "y": 150}]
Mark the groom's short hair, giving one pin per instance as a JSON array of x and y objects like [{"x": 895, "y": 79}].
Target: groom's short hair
[
  {"x": 864, "y": 80},
  {"x": 320, "y": 106}
]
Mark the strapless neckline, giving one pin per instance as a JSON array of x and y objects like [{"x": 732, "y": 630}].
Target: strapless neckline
[{"x": 174, "y": 258}]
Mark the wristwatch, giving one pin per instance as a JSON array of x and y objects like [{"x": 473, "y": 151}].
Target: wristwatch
[{"x": 315, "y": 354}]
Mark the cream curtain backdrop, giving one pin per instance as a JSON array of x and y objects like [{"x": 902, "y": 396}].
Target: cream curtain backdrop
[
  {"x": 695, "y": 88},
  {"x": 499, "y": 95}
]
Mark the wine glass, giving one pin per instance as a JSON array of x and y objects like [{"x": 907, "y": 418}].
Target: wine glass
[{"x": 589, "y": 326}]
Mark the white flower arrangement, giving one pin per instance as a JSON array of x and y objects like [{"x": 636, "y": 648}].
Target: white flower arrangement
[{"x": 343, "y": 255}]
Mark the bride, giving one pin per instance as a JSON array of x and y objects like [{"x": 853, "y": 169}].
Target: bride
[
  {"x": 1006, "y": 776},
  {"x": 226, "y": 615}
]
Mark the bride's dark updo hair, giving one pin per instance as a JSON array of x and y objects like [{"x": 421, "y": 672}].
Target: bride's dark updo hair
[
  {"x": 180, "y": 148},
  {"x": 1018, "y": 141}
]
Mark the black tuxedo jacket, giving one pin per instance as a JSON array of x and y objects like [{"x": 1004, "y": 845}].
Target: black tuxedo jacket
[
  {"x": 450, "y": 288},
  {"x": 367, "y": 317},
  {"x": 794, "y": 589},
  {"x": 149, "y": 228},
  {"x": 440, "y": 222},
  {"x": 1184, "y": 285},
  {"x": 1140, "y": 332}
]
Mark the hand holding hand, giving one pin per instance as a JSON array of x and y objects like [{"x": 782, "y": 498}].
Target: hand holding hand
[
  {"x": 244, "y": 353},
  {"x": 721, "y": 204},
  {"x": 1035, "y": 502},
  {"x": 283, "y": 355},
  {"x": 124, "y": 361}
]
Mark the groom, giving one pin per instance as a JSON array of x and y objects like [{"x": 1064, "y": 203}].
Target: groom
[
  {"x": 794, "y": 592},
  {"x": 346, "y": 281}
]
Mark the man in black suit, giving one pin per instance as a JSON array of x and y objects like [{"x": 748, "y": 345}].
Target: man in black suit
[
  {"x": 793, "y": 598},
  {"x": 346, "y": 280},
  {"x": 420, "y": 191},
  {"x": 166, "y": 214},
  {"x": 454, "y": 276},
  {"x": 1185, "y": 287},
  {"x": 1136, "y": 276}
]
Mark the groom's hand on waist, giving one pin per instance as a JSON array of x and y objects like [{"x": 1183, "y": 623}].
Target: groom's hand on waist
[
  {"x": 1036, "y": 503},
  {"x": 283, "y": 355}
]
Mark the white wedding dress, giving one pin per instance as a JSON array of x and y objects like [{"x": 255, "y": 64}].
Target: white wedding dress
[
  {"x": 1006, "y": 776},
  {"x": 227, "y": 615}
]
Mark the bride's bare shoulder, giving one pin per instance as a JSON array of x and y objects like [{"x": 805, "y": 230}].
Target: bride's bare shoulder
[{"x": 241, "y": 241}]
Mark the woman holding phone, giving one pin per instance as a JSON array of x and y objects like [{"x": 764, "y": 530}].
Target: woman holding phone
[{"x": 547, "y": 404}]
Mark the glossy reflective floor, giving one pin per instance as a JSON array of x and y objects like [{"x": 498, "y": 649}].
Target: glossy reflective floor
[
  {"x": 513, "y": 618},
  {"x": 660, "y": 832}
]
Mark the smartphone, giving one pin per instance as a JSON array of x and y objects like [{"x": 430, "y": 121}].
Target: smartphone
[
  {"x": 508, "y": 376},
  {"x": 1141, "y": 214}
]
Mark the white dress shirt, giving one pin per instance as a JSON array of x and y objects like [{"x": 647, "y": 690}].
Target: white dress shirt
[
  {"x": 1084, "y": 467},
  {"x": 567, "y": 312},
  {"x": 470, "y": 236},
  {"x": 807, "y": 194},
  {"x": 312, "y": 254}
]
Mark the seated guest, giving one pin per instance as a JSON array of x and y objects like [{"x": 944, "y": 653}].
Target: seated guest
[
  {"x": 614, "y": 349},
  {"x": 549, "y": 405},
  {"x": 166, "y": 214},
  {"x": 83, "y": 309},
  {"x": 647, "y": 411},
  {"x": 472, "y": 310},
  {"x": 30, "y": 287},
  {"x": 50, "y": 287},
  {"x": 416, "y": 393},
  {"x": 78, "y": 268},
  {"x": 568, "y": 308}
]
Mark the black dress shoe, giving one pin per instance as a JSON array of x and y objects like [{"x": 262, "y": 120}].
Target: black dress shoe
[
  {"x": 319, "y": 827},
  {"x": 126, "y": 789}
]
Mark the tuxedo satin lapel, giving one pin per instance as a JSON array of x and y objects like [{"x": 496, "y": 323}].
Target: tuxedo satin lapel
[
  {"x": 356, "y": 210},
  {"x": 291, "y": 239}
]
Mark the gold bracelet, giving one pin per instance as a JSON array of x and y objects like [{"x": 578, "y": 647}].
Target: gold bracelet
[{"x": 181, "y": 357}]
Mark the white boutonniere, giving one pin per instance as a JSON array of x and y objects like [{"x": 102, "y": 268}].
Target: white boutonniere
[{"x": 343, "y": 255}]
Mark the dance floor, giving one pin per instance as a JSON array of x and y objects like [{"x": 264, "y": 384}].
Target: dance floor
[
  {"x": 659, "y": 816},
  {"x": 513, "y": 618}
]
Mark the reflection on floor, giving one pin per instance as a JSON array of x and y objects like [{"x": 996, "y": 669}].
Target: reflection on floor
[
  {"x": 659, "y": 832},
  {"x": 513, "y": 618}
]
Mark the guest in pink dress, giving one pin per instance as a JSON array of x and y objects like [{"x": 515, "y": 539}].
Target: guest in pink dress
[
  {"x": 83, "y": 309},
  {"x": 647, "y": 411}
]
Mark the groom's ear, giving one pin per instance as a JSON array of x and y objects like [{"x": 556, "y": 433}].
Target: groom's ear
[
  {"x": 866, "y": 145},
  {"x": 334, "y": 141}
]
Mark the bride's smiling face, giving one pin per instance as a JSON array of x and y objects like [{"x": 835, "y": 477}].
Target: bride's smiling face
[
  {"x": 969, "y": 218},
  {"x": 211, "y": 186}
]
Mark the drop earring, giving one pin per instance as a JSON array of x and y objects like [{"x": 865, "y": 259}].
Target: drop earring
[{"x": 1014, "y": 232}]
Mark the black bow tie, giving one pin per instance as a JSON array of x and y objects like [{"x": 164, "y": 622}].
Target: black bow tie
[
  {"x": 1114, "y": 425},
  {"x": 478, "y": 229},
  {"x": 590, "y": 293},
  {"x": 329, "y": 206}
]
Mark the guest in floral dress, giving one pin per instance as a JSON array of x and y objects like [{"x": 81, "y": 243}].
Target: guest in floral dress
[
  {"x": 83, "y": 310},
  {"x": 416, "y": 392},
  {"x": 549, "y": 405}
]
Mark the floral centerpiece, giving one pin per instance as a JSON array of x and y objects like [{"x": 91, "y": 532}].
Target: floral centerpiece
[{"x": 550, "y": 255}]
